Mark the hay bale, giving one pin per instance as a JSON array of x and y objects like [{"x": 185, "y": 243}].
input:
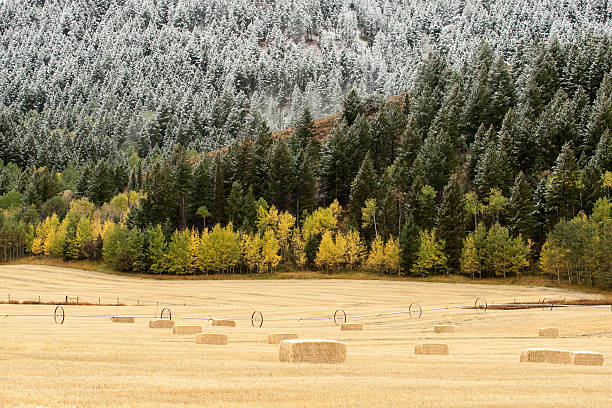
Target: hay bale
[
  {"x": 541, "y": 355},
  {"x": 548, "y": 332},
  {"x": 123, "y": 319},
  {"x": 587, "y": 358},
  {"x": 227, "y": 323},
  {"x": 187, "y": 329},
  {"x": 276, "y": 338},
  {"x": 312, "y": 351},
  {"x": 444, "y": 328},
  {"x": 432, "y": 349},
  {"x": 211, "y": 338},
  {"x": 351, "y": 326},
  {"x": 161, "y": 324}
]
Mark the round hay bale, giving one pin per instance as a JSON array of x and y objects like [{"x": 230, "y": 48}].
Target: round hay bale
[
  {"x": 548, "y": 332},
  {"x": 187, "y": 329},
  {"x": 211, "y": 338},
  {"x": 587, "y": 358},
  {"x": 312, "y": 351},
  {"x": 276, "y": 338},
  {"x": 433, "y": 349},
  {"x": 542, "y": 355},
  {"x": 444, "y": 328},
  {"x": 351, "y": 327},
  {"x": 227, "y": 323},
  {"x": 161, "y": 324},
  {"x": 123, "y": 319}
]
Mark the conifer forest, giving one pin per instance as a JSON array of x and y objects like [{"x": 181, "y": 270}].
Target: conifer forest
[{"x": 404, "y": 138}]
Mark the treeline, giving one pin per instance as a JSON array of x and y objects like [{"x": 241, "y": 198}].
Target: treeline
[{"x": 472, "y": 171}]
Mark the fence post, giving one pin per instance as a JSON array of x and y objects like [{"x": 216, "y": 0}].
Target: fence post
[
  {"x": 9, "y": 297},
  {"x": 117, "y": 301}
]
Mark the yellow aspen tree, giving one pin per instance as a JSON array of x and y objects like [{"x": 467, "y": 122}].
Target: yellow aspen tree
[
  {"x": 206, "y": 253},
  {"x": 376, "y": 257},
  {"x": 194, "y": 248},
  {"x": 392, "y": 255},
  {"x": 282, "y": 228},
  {"x": 52, "y": 224},
  {"x": 339, "y": 256},
  {"x": 321, "y": 220},
  {"x": 354, "y": 248},
  {"x": 269, "y": 251},
  {"x": 469, "y": 257},
  {"x": 251, "y": 251},
  {"x": 57, "y": 244},
  {"x": 325, "y": 252},
  {"x": 298, "y": 247}
]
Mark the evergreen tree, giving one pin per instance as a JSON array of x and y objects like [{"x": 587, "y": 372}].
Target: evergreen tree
[
  {"x": 363, "y": 188},
  {"x": 218, "y": 209},
  {"x": 352, "y": 106},
  {"x": 564, "y": 187},
  {"x": 409, "y": 243},
  {"x": 451, "y": 221},
  {"x": 279, "y": 180},
  {"x": 601, "y": 116},
  {"x": 521, "y": 208}
]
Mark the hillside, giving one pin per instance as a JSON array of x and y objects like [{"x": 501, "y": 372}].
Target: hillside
[{"x": 82, "y": 83}]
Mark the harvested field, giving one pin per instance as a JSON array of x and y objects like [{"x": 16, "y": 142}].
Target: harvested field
[{"x": 92, "y": 362}]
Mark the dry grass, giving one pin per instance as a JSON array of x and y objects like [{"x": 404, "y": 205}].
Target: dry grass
[{"x": 91, "y": 362}]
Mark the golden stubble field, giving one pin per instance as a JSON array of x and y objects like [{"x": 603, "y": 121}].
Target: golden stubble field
[{"x": 92, "y": 362}]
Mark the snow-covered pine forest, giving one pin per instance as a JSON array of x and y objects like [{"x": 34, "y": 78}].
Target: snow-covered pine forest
[{"x": 83, "y": 80}]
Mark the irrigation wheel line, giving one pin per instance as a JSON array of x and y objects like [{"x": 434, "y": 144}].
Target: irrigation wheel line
[
  {"x": 161, "y": 315},
  {"x": 413, "y": 309},
  {"x": 257, "y": 316},
  {"x": 59, "y": 315},
  {"x": 339, "y": 315},
  {"x": 481, "y": 304}
]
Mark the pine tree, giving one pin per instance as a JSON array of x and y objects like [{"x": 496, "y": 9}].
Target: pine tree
[
  {"x": 280, "y": 180},
  {"x": 352, "y": 106},
  {"x": 156, "y": 242},
  {"x": 263, "y": 143},
  {"x": 409, "y": 243},
  {"x": 603, "y": 153},
  {"x": 362, "y": 189},
  {"x": 601, "y": 116},
  {"x": 451, "y": 221},
  {"x": 235, "y": 204},
  {"x": 521, "y": 208},
  {"x": 218, "y": 209},
  {"x": 410, "y": 144},
  {"x": 564, "y": 187},
  {"x": 428, "y": 90},
  {"x": 304, "y": 174},
  {"x": 136, "y": 252},
  {"x": 555, "y": 127}
]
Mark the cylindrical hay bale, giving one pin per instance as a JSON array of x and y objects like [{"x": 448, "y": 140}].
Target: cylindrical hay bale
[
  {"x": 161, "y": 324},
  {"x": 312, "y": 351},
  {"x": 444, "y": 328},
  {"x": 228, "y": 323},
  {"x": 431, "y": 349},
  {"x": 187, "y": 329},
  {"x": 123, "y": 319},
  {"x": 548, "y": 332},
  {"x": 211, "y": 338},
  {"x": 587, "y": 358},
  {"x": 541, "y": 355},
  {"x": 351, "y": 326},
  {"x": 276, "y": 338}
]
